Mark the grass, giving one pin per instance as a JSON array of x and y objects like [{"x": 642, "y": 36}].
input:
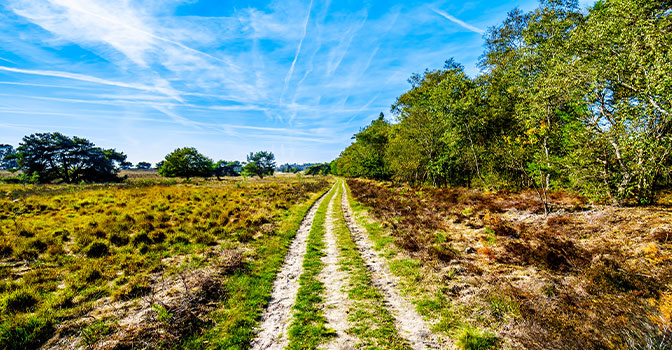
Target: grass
[
  {"x": 250, "y": 290},
  {"x": 372, "y": 324},
  {"x": 491, "y": 265},
  {"x": 308, "y": 328},
  {"x": 68, "y": 250}
]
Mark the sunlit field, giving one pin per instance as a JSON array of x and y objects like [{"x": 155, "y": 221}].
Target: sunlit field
[{"x": 147, "y": 261}]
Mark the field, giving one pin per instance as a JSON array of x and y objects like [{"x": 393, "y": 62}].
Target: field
[
  {"x": 491, "y": 264},
  {"x": 305, "y": 263},
  {"x": 144, "y": 262}
]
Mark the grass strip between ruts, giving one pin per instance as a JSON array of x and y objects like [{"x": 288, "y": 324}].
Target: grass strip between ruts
[{"x": 308, "y": 329}]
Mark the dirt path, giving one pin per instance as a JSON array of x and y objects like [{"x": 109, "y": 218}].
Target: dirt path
[
  {"x": 410, "y": 324},
  {"x": 335, "y": 279},
  {"x": 272, "y": 332}
]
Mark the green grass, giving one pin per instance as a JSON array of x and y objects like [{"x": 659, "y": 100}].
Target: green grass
[
  {"x": 308, "y": 328},
  {"x": 470, "y": 338},
  {"x": 249, "y": 291},
  {"x": 414, "y": 282},
  {"x": 74, "y": 245},
  {"x": 370, "y": 321}
]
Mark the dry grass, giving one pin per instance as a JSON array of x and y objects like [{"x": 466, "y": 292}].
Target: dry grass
[
  {"x": 122, "y": 265},
  {"x": 586, "y": 277}
]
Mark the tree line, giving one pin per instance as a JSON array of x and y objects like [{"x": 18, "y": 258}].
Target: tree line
[
  {"x": 565, "y": 100},
  {"x": 54, "y": 157}
]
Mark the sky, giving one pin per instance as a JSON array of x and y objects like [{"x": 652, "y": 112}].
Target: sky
[{"x": 297, "y": 78}]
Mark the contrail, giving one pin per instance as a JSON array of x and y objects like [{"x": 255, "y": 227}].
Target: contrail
[
  {"x": 91, "y": 79},
  {"x": 298, "y": 49},
  {"x": 459, "y": 22}
]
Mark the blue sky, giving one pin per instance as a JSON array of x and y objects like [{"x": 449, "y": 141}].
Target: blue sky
[{"x": 297, "y": 78}]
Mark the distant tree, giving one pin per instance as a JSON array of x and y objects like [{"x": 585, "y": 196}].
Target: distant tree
[
  {"x": 186, "y": 162},
  {"x": 159, "y": 164},
  {"x": 54, "y": 156},
  {"x": 126, "y": 165},
  {"x": 261, "y": 163},
  {"x": 7, "y": 163},
  {"x": 319, "y": 169},
  {"x": 143, "y": 166},
  {"x": 224, "y": 168}
]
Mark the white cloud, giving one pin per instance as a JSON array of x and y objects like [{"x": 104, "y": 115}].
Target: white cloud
[{"x": 459, "y": 22}]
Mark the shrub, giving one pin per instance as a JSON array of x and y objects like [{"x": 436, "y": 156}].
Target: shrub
[
  {"x": 179, "y": 238},
  {"x": 20, "y": 300},
  {"x": 97, "y": 249},
  {"x": 141, "y": 238},
  {"x": 119, "y": 239},
  {"x": 471, "y": 338},
  {"x": 6, "y": 249},
  {"x": 92, "y": 275},
  {"x": 25, "y": 333}
]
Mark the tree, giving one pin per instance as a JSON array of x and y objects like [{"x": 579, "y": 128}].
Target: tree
[
  {"x": 366, "y": 156},
  {"x": 186, "y": 162},
  {"x": 319, "y": 169},
  {"x": 143, "y": 166},
  {"x": 7, "y": 163},
  {"x": 54, "y": 156},
  {"x": 224, "y": 168},
  {"x": 623, "y": 70},
  {"x": 261, "y": 163},
  {"x": 126, "y": 165}
]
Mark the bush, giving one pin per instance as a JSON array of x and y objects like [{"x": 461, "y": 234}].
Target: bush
[
  {"x": 471, "y": 338},
  {"x": 25, "y": 333},
  {"x": 6, "y": 249},
  {"x": 97, "y": 249},
  {"x": 20, "y": 300},
  {"x": 141, "y": 238},
  {"x": 119, "y": 239}
]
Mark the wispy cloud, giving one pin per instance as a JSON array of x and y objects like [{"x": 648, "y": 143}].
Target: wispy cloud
[
  {"x": 296, "y": 76},
  {"x": 91, "y": 79},
  {"x": 459, "y": 22},
  {"x": 288, "y": 77}
]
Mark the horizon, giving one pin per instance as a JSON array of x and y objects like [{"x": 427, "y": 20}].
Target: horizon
[{"x": 295, "y": 78}]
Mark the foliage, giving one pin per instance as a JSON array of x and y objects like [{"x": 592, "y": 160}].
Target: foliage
[
  {"x": 565, "y": 99},
  {"x": 319, "y": 169},
  {"x": 224, "y": 168},
  {"x": 143, "y": 166},
  {"x": 54, "y": 156},
  {"x": 186, "y": 162},
  {"x": 261, "y": 163},
  {"x": 366, "y": 156},
  {"x": 6, "y": 162}
]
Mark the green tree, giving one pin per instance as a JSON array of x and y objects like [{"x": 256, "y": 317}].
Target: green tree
[
  {"x": 7, "y": 162},
  {"x": 622, "y": 66},
  {"x": 186, "y": 162},
  {"x": 366, "y": 156},
  {"x": 261, "y": 163},
  {"x": 435, "y": 140},
  {"x": 54, "y": 156},
  {"x": 225, "y": 168},
  {"x": 143, "y": 166},
  {"x": 319, "y": 169}
]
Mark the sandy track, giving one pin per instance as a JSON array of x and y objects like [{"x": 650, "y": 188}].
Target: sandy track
[
  {"x": 275, "y": 321},
  {"x": 336, "y": 300},
  {"x": 410, "y": 324}
]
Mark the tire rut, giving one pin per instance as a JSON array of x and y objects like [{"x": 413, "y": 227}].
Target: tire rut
[
  {"x": 409, "y": 322},
  {"x": 275, "y": 320},
  {"x": 335, "y": 279}
]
